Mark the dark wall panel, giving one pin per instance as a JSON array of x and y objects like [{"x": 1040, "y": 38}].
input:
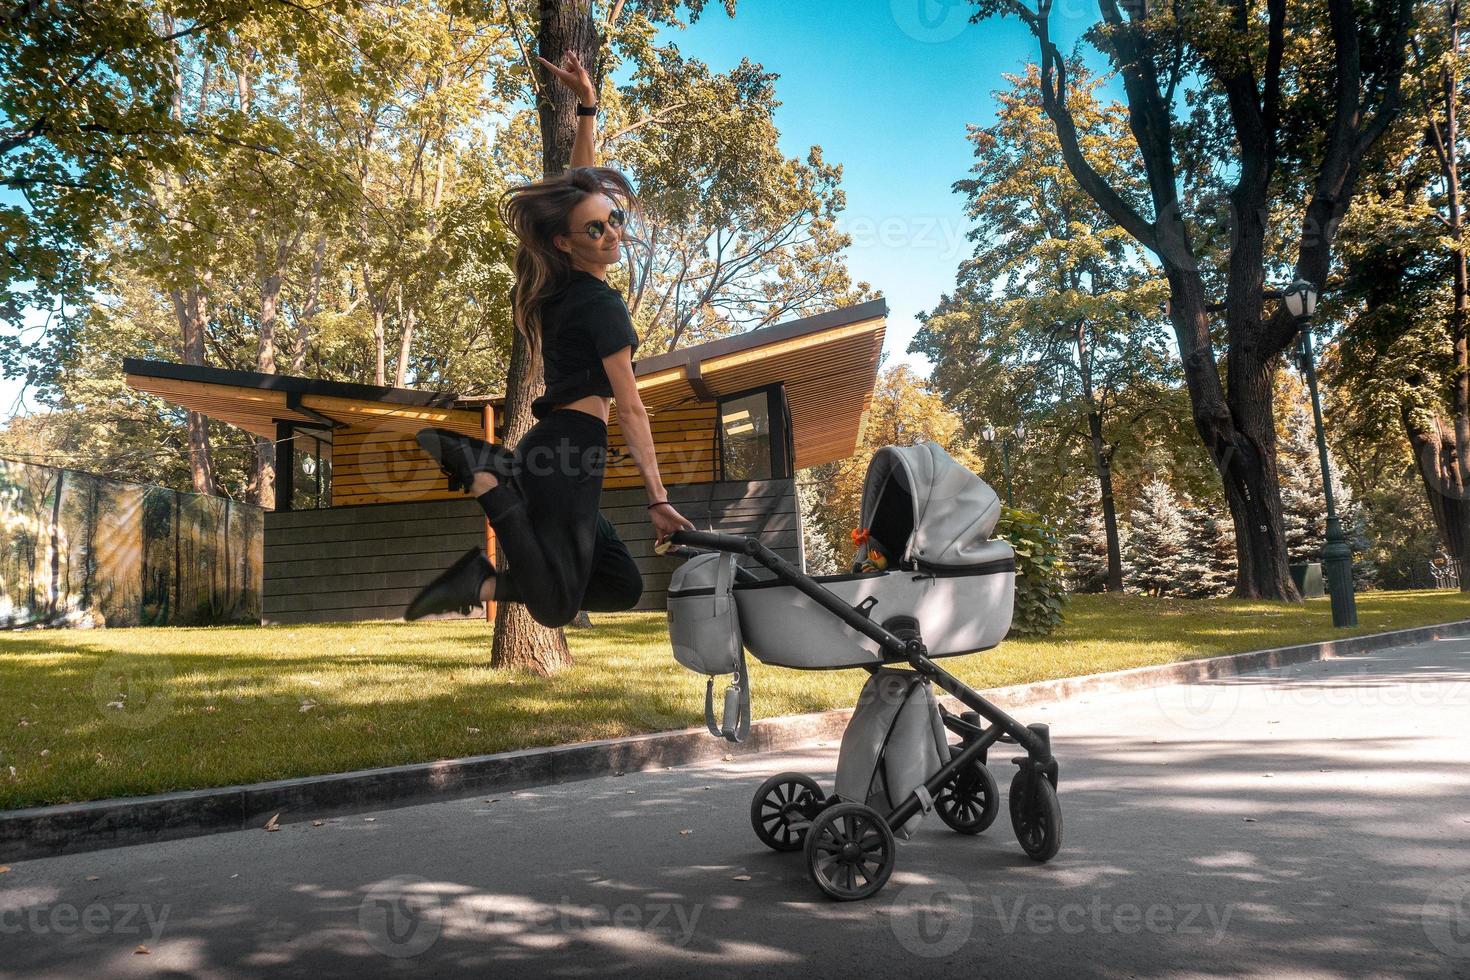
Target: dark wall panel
[{"x": 367, "y": 562}]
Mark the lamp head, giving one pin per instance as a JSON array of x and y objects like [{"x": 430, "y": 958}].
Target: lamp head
[
  {"x": 988, "y": 433},
  {"x": 1300, "y": 299}
]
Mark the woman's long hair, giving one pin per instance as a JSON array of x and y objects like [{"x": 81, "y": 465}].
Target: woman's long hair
[{"x": 537, "y": 213}]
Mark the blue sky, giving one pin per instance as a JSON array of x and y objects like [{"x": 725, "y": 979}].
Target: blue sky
[{"x": 886, "y": 88}]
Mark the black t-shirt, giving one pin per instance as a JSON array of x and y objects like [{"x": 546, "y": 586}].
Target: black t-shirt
[{"x": 580, "y": 325}]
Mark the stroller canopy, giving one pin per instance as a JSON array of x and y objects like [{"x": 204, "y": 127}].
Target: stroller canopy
[{"x": 919, "y": 503}]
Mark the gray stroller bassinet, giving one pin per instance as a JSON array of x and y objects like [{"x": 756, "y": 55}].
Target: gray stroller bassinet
[{"x": 948, "y": 590}]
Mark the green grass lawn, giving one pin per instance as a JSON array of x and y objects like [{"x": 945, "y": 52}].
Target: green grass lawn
[{"x": 87, "y": 714}]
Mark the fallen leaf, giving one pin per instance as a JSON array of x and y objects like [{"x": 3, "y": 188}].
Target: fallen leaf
[
  {"x": 45, "y": 752},
  {"x": 236, "y": 875},
  {"x": 1270, "y": 774},
  {"x": 619, "y": 773},
  {"x": 316, "y": 823},
  {"x": 741, "y": 878},
  {"x": 628, "y": 791},
  {"x": 371, "y": 819},
  {"x": 728, "y": 757},
  {"x": 4, "y": 868},
  {"x": 473, "y": 731},
  {"x": 142, "y": 951},
  {"x": 272, "y": 823},
  {"x": 116, "y": 704},
  {"x": 1249, "y": 819},
  {"x": 685, "y": 833},
  {"x": 308, "y": 704},
  {"x": 91, "y": 877}
]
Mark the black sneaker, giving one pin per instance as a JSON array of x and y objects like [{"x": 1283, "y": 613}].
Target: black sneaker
[
  {"x": 455, "y": 588},
  {"x": 461, "y": 456}
]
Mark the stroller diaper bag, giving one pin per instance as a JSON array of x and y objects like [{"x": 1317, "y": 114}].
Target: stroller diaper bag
[
  {"x": 894, "y": 741},
  {"x": 704, "y": 631}
]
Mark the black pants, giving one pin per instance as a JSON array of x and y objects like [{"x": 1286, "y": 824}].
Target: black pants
[{"x": 563, "y": 555}]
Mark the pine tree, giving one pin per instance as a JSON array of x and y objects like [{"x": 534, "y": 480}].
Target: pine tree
[
  {"x": 1086, "y": 546},
  {"x": 821, "y": 557},
  {"x": 1156, "y": 551},
  {"x": 1211, "y": 560}
]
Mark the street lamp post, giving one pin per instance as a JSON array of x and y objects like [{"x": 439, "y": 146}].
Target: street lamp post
[
  {"x": 1337, "y": 558},
  {"x": 988, "y": 433}
]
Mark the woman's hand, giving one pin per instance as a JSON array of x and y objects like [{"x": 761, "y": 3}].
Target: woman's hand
[
  {"x": 573, "y": 76},
  {"x": 666, "y": 520}
]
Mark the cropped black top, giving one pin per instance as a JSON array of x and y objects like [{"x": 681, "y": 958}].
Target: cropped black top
[{"x": 580, "y": 325}]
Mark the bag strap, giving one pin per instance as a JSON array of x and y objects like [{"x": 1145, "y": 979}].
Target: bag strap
[{"x": 737, "y": 704}]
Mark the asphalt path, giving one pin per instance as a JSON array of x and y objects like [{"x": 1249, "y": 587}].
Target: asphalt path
[{"x": 1312, "y": 821}]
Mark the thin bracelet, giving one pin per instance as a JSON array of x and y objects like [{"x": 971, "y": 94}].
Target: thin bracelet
[{"x": 656, "y": 503}]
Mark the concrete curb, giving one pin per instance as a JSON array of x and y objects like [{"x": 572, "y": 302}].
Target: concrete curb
[{"x": 48, "y": 831}]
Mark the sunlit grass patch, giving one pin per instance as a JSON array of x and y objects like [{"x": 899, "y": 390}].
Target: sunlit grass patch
[{"x": 86, "y": 714}]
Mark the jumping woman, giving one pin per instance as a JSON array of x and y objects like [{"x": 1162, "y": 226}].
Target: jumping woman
[{"x": 542, "y": 498}]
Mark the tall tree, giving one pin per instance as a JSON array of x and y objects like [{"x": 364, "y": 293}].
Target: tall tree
[
  {"x": 1272, "y": 124},
  {"x": 1402, "y": 353},
  {"x": 1056, "y": 289}
]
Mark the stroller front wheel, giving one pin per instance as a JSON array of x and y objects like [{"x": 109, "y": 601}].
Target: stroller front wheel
[
  {"x": 1036, "y": 816},
  {"x": 969, "y": 802},
  {"x": 783, "y": 808},
  {"x": 850, "y": 851}
]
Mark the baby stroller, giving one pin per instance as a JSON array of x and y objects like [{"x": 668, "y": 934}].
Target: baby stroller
[{"x": 947, "y": 590}]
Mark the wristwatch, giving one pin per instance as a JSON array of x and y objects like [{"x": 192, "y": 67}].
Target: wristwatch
[{"x": 586, "y": 110}]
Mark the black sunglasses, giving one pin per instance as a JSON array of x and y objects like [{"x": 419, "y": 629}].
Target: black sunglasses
[{"x": 596, "y": 229}]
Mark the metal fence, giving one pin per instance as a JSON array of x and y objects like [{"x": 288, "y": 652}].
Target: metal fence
[{"x": 82, "y": 550}]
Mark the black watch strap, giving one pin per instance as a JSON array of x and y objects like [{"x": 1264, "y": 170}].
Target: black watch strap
[{"x": 586, "y": 110}]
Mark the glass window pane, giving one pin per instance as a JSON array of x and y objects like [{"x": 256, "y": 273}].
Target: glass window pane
[
  {"x": 312, "y": 479},
  {"x": 746, "y": 425}
]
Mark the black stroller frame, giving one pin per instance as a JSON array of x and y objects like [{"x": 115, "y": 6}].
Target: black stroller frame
[{"x": 1035, "y": 815}]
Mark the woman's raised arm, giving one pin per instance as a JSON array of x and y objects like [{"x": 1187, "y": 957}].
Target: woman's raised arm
[{"x": 572, "y": 75}]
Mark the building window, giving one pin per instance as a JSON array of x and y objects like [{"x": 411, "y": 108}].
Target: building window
[
  {"x": 311, "y": 483},
  {"x": 303, "y": 469},
  {"x": 745, "y": 437}
]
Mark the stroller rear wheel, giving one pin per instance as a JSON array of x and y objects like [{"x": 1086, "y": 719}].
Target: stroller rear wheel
[
  {"x": 970, "y": 801},
  {"x": 783, "y": 808},
  {"x": 850, "y": 851},
  {"x": 1036, "y": 816}
]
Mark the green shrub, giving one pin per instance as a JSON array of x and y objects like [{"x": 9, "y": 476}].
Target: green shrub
[{"x": 1040, "y": 583}]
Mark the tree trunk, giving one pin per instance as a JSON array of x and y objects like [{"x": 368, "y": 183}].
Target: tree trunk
[
  {"x": 564, "y": 25},
  {"x": 407, "y": 318},
  {"x": 1102, "y": 460},
  {"x": 309, "y": 310},
  {"x": 1437, "y": 458},
  {"x": 191, "y": 307},
  {"x": 264, "y": 481}
]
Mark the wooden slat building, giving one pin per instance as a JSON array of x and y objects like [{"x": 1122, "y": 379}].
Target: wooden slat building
[{"x": 362, "y": 517}]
